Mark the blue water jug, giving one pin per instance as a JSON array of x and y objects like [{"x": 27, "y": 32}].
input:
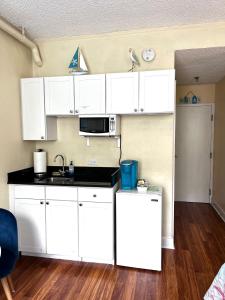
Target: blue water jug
[{"x": 129, "y": 174}]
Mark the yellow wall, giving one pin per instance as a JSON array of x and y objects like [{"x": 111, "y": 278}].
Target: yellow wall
[
  {"x": 14, "y": 153},
  {"x": 206, "y": 92},
  {"x": 219, "y": 147},
  {"x": 148, "y": 139}
]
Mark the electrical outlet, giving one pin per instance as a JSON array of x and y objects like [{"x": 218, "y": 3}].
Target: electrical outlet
[{"x": 92, "y": 162}]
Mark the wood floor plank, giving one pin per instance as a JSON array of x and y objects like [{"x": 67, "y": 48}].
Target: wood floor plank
[{"x": 187, "y": 272}]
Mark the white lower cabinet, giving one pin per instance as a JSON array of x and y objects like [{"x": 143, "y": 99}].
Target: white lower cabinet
[
  {"x": 61, "y": 227},
  {"x": 46, "y": 226},
  {"x": 30, "y": 215},
  {"x": 51, "y": 223},
  {"x": 96, "y": 231}
]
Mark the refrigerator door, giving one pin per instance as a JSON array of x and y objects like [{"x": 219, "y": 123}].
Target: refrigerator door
[{"x": 138, "y": 230}]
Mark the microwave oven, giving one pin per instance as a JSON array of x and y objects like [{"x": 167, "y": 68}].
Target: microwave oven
[{"x": 99, "y": 125}]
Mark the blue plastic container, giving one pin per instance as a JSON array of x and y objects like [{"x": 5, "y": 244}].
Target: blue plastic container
[{"x": 129, "y": 174}]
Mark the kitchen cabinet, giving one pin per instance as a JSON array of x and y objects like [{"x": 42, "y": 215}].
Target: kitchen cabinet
[
  {"x": 157, "y": 91},
  {"x": 35, "y": 125},
  {"x": 59, "y": 96},
  {"x": 48, "y": 225},
  {"x": 96, "y": 231},
  {"x": 89, "y": 94},
  {"x": 61, "y": 227},
  {"x": 30, "y": 215},
  {"x": 138, "y": 229},
  {"x": 52, "y": 224},
  {"x": 96, "y": 224},
  {"x": 122, "y": 93},
  {"x": 61, "y": 220},
  {"x": 148, "y": 92}
]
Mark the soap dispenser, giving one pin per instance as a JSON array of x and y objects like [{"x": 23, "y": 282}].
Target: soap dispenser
[{"x": 71, "y": 168}]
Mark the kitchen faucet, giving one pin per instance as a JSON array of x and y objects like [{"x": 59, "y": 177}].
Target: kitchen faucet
[{"x": 62, "y": 172}]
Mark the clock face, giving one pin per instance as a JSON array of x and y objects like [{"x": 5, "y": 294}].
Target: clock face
[{"x": 148, "y": 54}]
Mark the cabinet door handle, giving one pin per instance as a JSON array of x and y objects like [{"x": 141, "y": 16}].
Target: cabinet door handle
[
  {"x": 135, "y": 110},
  {"x": 142, "y": 109},
  {"x": 71, "y": 111},
  {"x": 154, "y": 200},
  {"x": 47, "y": 203},
  {"x": 42, "y": 137},
  {"x": 76, "y": 111},
  {"x": 41, "y": 202},
  {"x": 80, "y": 204},
  {"x": 94, "y": 195}
]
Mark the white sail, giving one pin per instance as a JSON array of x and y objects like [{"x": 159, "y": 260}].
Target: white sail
[{"x": 83, "y": 65}]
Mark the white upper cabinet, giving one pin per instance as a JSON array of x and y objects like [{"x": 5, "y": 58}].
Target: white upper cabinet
[
  {"x": 122, "y": 93},
  {"x": 59, "y": 96},
  {"x": 89, "y": 94},
  {"x": 34, "y": 122},
  {"x": 157, "y": 91}
]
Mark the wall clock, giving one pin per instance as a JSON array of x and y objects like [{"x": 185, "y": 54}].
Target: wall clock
[{"x": 148, "y": 54}]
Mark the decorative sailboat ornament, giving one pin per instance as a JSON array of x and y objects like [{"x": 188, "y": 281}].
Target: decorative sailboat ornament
[{"x": 77, "y": 65}]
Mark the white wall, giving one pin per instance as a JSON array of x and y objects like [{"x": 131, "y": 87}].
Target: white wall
[
  {"x": 14, "y": 153},
  {"x": 149, "y": 139},
  {"x": 219, "y": 149}
]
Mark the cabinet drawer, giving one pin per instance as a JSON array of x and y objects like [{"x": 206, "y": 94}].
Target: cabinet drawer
[
  {"x": 29, "y": 192},
  {"x": 61, "y": 193},
  {"x": 95, "y": 195}
]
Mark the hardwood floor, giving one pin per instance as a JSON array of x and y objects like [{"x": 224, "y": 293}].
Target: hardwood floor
[{"x": 187, "y": 271}]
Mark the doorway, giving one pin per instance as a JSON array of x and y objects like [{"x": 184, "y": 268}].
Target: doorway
[{"x": 194, "y": 153}]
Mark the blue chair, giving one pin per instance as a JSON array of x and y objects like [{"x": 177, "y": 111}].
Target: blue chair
[{"x": 9, "y": 249}]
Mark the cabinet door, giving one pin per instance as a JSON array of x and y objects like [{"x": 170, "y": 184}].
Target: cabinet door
[
  {"x": 61, "y": 227},
  {"x": 157, "y": 91},
  {"x": 122, "y": 93},
  {"x": 87, "y": 194},
  {"x": 96, "y": 231},
  {"x": 89, "y": 94},
  {"x": 33, "y": 110},
  {"x": 138, "y": 229},
  {"x": 59, "y": 95},
  {"x": 30, "y": 215}
]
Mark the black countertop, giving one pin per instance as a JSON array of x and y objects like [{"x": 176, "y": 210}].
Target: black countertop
[{"x": 83, "y": 176}]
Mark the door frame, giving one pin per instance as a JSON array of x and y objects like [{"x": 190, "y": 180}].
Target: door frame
[{"x": 212, "y": 105}]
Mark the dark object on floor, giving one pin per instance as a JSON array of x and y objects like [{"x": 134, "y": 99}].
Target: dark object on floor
[{"x": 9, "y": 249}]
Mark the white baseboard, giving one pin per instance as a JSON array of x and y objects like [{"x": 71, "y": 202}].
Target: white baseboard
[
  {"x": 219, "y": 210},
  {"x": 168, "y": 242}
]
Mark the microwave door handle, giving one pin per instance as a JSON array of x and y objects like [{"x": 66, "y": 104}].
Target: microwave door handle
[{"x": 112, "y": 123}]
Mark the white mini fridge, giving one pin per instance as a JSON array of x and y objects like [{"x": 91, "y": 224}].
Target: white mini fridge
[{"x": 139, "y": 229}]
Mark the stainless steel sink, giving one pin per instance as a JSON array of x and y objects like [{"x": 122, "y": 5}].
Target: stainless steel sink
[{"x": 59, "y": 180}]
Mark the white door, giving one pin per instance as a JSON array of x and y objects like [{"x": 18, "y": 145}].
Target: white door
[
  {"x": 138, "y": 230},
  {"x": 89, "y": 94},
  {"x": 30, "y": 215},
  {"x": 59, "y": 95},
  {"x": 62, "y": 227},
  {"x": 96, "y": 231},
  {"x": 157, "y": 91},
  {"x": 122, "y": 93},
  {"x": 193, "y": 147},
  {"x": 33, "y": 109}
]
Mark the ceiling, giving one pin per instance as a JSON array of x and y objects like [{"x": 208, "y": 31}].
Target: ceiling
[
  {"x": 56, "y": 18},
  {"x": 207, "y": 63}
]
